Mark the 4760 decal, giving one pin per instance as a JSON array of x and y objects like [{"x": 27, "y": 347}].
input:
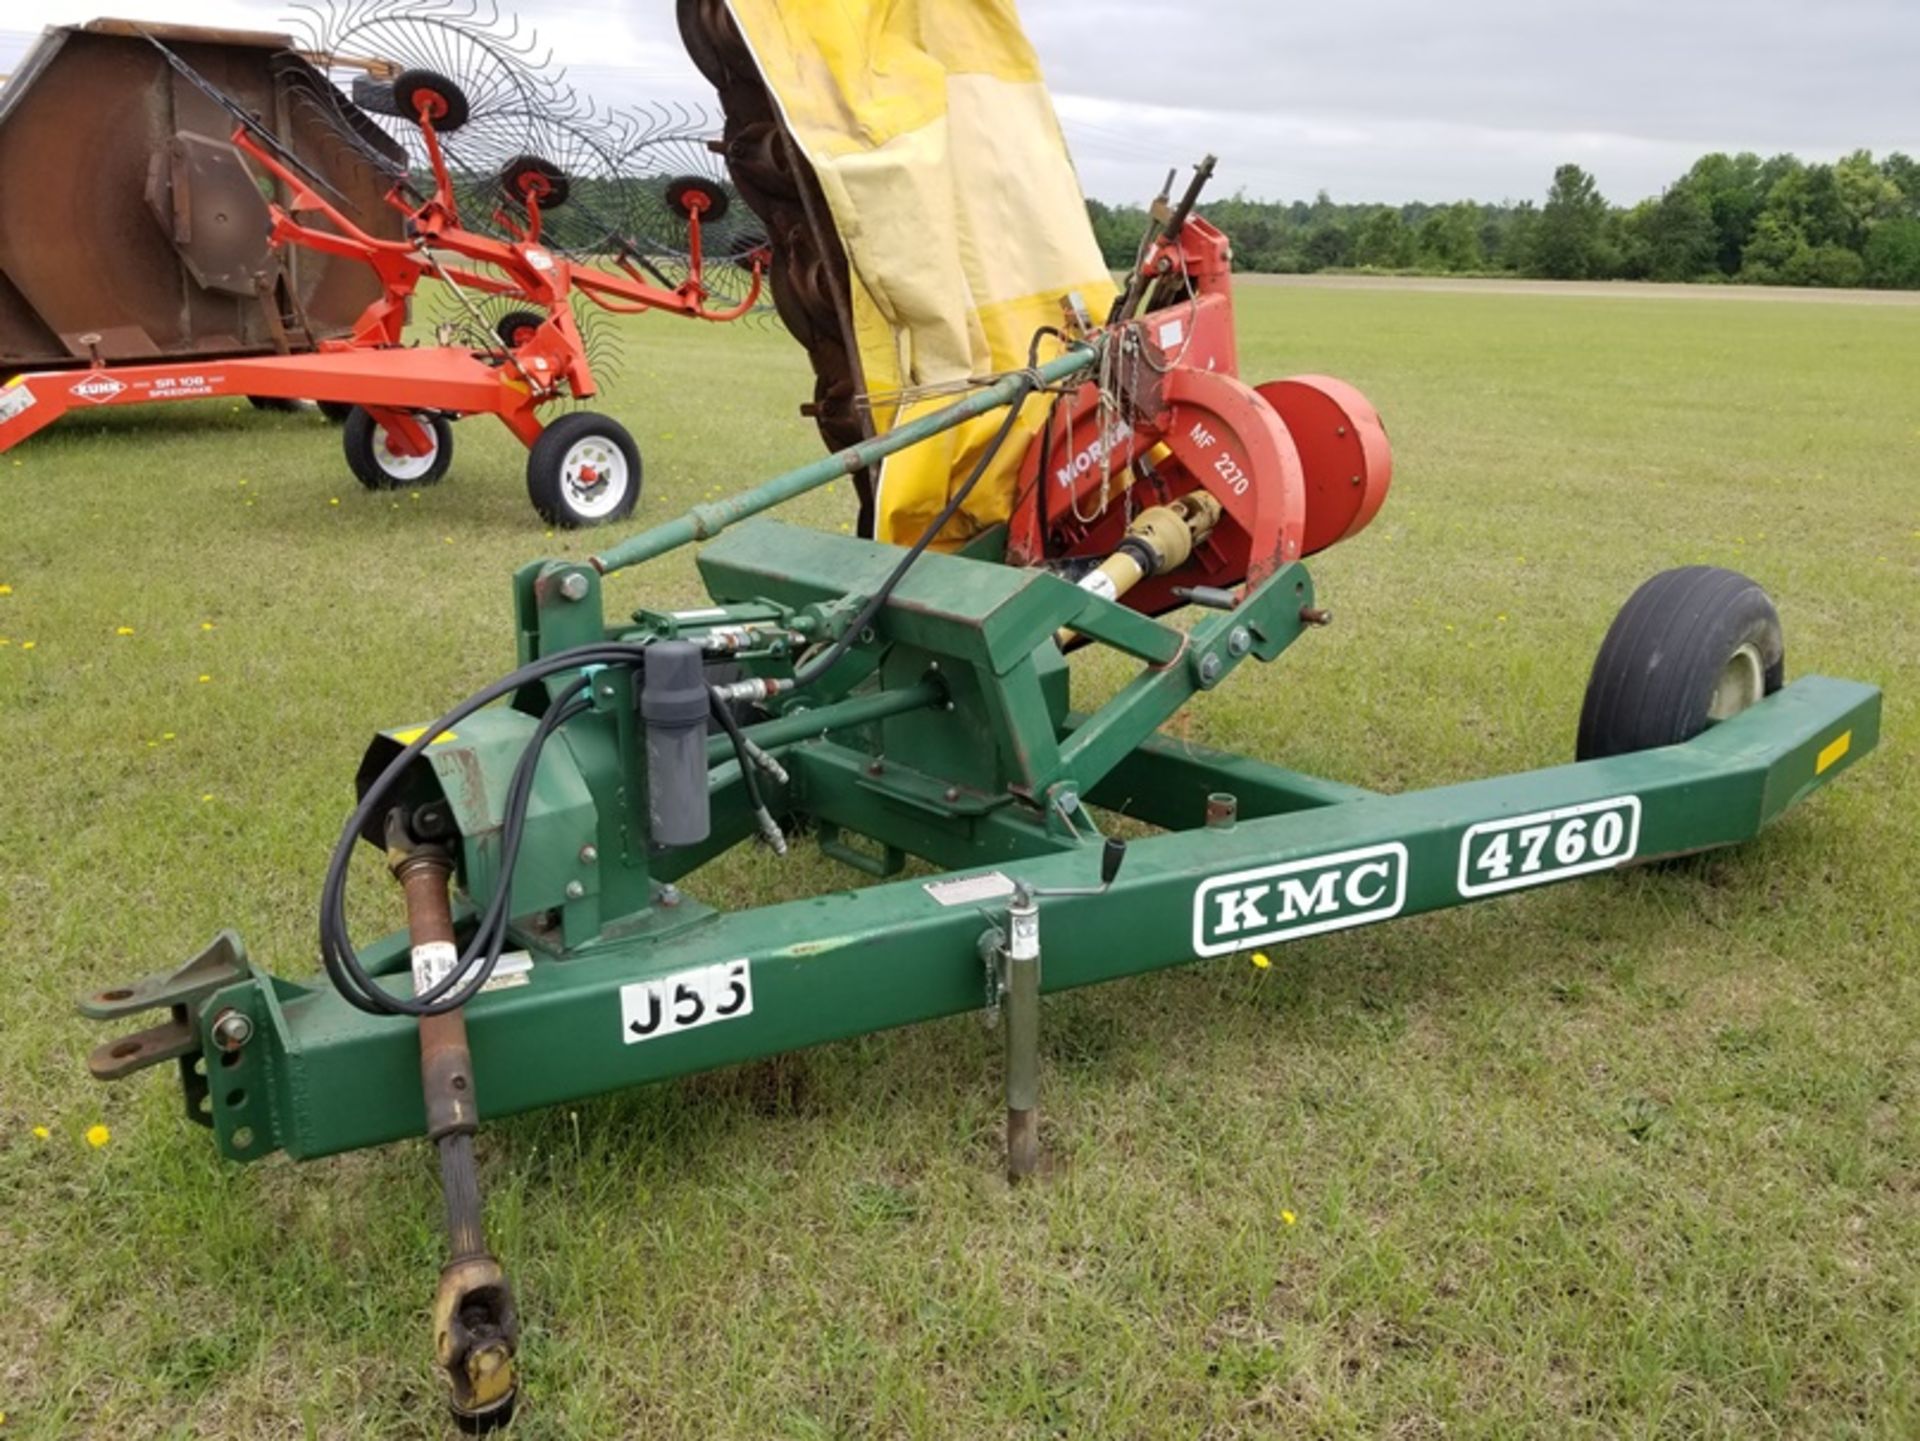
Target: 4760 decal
[{"x": 1531, "y": 850}]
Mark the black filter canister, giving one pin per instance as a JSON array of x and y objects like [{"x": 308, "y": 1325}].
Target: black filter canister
[{"x": 674, "y": 704}]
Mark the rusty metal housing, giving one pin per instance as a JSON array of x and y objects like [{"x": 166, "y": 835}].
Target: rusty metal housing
[{"x": 133, "y": 231}]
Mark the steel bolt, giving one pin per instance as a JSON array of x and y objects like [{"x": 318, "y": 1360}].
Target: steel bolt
[
  {"x": 575, "y": 890},
  {"x": 953, "y": 793},
  {"x": 1210, "y": 668},
  {"x": 589, "y": 854},
  {"x": 1240, "y": 641},
  {"x": 1313, "y": 615},
  {"x": 232, "y": 1030},
  {"x": 669, "y": 895},
  {"x": 573, "y": 585}
]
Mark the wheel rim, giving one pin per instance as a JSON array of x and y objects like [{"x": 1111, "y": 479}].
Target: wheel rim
[
  {"x": 1743, "y": 680},
  {"x": 395, "y": 466},
  {"x": 593, "y": 477}
]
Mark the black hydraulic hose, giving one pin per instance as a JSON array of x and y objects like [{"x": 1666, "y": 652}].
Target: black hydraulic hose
[
  {"x": 454, "y": 990},
  {"x": 475, "y": 964},
  {"x": 723, "y": 712}
]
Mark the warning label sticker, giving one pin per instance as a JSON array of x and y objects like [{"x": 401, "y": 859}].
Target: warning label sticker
[{"x": 970, "y": 890}]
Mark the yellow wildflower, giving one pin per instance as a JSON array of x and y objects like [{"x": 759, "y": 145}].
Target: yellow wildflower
[
  {"x": 334, "y": 501},
  {"x": 123, "y": 630},
  {"x": 98, "y": 1136},
  {"x": 41, "y": 1133},
  {"x": 6, "y": 590},
  {"x": 1288, "y": 1218},
  {"x": 207, "y": 797},
  {"x": 205, "y": 678},
  {"x": 28, "y": 644},
  {"x": 1261, "y": 961},
  {"x": 206, "y": 625}
]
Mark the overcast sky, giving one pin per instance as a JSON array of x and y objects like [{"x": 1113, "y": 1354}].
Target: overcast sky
[{"x": 1370, "y": 100}]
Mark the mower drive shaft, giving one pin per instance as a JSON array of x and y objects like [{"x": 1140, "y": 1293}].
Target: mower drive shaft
[{"x": 475, "y": 1326}]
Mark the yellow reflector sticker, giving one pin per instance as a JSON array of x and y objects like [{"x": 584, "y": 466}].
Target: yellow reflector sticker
[
  {"x": 408, "y": 737},
  {"x": 1832, "y": 754}
]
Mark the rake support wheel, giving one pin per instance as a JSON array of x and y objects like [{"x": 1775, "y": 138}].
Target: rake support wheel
[
  {"x": 377, "y": 466},
  {"x": 583, "y": 470}
]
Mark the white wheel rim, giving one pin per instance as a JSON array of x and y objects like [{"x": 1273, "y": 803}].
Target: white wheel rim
[
  {"x": 1743, "y": 680},
  {"x": 593, "y": 477},
  {"x": 399, "y": 467}
]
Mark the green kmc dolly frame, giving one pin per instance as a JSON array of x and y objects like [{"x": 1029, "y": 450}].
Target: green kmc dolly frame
[{"x": 557, "y": 950}]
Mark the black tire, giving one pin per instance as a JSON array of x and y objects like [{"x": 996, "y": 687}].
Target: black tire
[
  {"x": 377, "y": 468},
  {"x": 509, "y": 327},
  {"x": 577, "y": 442},
  {"x": 414, "y": 88},
  {"x": 1690, "y": 648},
  {"x": 680, "y": 190},
  {"x": 529, "y": 174},
  {"x": 336, "y": 411}
]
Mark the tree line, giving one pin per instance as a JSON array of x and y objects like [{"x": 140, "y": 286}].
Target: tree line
[{"x": 1778, "y": 221}]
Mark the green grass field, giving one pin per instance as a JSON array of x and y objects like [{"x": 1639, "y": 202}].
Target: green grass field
[{"x": 1633, "y": 1157}]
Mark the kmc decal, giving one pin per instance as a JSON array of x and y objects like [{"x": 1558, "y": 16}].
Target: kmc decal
[{"x": 1299, "y": 898}]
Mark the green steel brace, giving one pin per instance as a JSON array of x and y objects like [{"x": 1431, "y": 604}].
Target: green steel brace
[{"x": 319, "y": 1077}]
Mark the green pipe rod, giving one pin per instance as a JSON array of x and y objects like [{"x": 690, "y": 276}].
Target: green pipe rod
[{"x": 706, "y": 521}]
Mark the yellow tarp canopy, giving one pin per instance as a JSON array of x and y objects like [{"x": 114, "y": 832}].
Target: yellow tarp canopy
[{"x": 942, "y": 161}]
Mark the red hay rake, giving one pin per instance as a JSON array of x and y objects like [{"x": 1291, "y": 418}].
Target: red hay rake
[{"x": 538, "y": 270}]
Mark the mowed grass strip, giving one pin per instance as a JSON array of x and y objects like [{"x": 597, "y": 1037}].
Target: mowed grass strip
[{"x": 1636, "y": 1156}]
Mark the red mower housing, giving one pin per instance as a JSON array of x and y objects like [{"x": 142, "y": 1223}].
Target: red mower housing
[{"x": 1296, "y": 464}]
